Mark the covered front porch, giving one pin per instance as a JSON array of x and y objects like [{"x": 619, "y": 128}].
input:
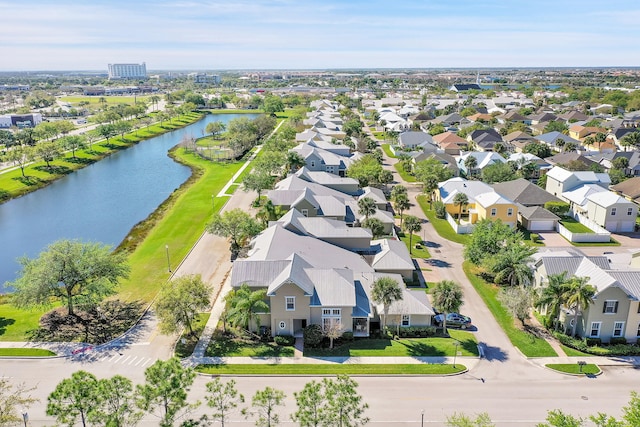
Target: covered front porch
[{"x": 360, "y": 327}]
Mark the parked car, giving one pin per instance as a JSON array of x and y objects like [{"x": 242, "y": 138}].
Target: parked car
[{"x": 454, "y": 320}]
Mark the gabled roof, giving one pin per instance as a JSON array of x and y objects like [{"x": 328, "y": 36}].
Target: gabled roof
[
  {"x": 579, "y": 195},
  {"x": 550, "y": 138},
  {"x": 391, "y": 255},
  {"x": 524, "y": 192},
  {"x": 332, "y": 287},
  {"x": 607, "y": 199},
  {"x": 449, "y": 188},
  {"x": 449, "y": 137},
  {"x": 413, "y": 302},
  {"x": 571, "y": 156},
  {"x": 557, "y": 263},
  {"x": 518, "y": 136},
  {"x": 630, "y": 187},
  {"x": 374, "y": 193},
  {"x": 485, "y": 135},
  {"x": 320, "y": 227},
  {"x": 414, "y": 138},
  {"x": 536, "y": 213},
  {"x": 483, "y": 158},
  {"x": 491, "y": 199},
  {"x": 324, "y": 178}
]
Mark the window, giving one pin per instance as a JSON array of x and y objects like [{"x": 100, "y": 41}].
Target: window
[
  {"x": 494, "y": 211},
  {"x": 613, "y": 211},
  {"x": 510, "y": 212},
  {"x": 290, "y": 303},
  {"x": 331, "y": 317},
  {"x": 282, "y": 325},
  {"x": 610, "y": 307},
  {"x": 617, "y": 329},
  {"x": 629, "y": 210},
  {"x": 406, "y": 320},
  {"x": 638, "y": 331},
  {"x": 313, "y": 163},
  {"x": 330, "y": 169},
  {"x": 595, "y": 329},
  {"x": 304, "y": 212}
]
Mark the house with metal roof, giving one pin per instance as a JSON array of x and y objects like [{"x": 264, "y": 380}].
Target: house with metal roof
[{"x": 614, "y": 310}]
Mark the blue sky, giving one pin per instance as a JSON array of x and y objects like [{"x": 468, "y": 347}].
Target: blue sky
[{"x": 300, "y": 34}]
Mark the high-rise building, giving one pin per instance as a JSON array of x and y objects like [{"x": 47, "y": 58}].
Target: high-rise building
[{"x": 127, "y": 71}]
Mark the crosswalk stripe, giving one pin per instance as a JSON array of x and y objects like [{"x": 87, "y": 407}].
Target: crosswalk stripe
[
  {"x": 132, "y": 360},
  {"x": 139, "y": 361},
  {"x": 145, "y": 363},
  {"x": 127, "y": 358}
]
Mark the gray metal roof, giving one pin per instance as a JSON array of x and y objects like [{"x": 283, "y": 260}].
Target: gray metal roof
[{"x": 524, "y": 192}]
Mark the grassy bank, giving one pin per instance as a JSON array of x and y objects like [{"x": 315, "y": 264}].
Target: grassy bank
[
  {"x": 332, "y": 369},
  {"x": 38, "y": 175},
  {"x": 575, "y": 369},
  {"x": 528, "y": 344}
]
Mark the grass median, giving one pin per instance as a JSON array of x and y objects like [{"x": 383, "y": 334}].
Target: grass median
[
  {"x": 25, "y": 352},
  {"x": 442, "y": 227},
  {"x": 331, "y": 369},
  {"x": 575, "y": 369}
]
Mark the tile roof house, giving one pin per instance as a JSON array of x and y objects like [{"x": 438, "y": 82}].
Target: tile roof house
[
  {"x": 614, "y": 311},
  {"x": 524, "y": 192},
  {"x": 450, "y": 142}
]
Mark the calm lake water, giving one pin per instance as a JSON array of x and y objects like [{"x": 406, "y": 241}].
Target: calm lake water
[{"x": 99, "y": 203}]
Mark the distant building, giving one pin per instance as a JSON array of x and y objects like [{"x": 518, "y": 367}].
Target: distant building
[
  {"x": 23, "y": 88},
  {"x": 202, "y": 78},
  {"x": 127, "y": 71},
  {"x": 465, "y": 87},
  {"x": 20, "y": 120}
]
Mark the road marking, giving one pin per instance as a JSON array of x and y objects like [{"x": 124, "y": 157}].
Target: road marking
[
  {"x": 114, "y": 356},
  {"x": 145, "y": 363},
  {"x": 132, "y": 360},
  {"x": 127, "y": 358},
  {"x": 139, "y": 361}
]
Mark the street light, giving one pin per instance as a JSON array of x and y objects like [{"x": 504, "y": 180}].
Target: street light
[
  {"x": 25, "y": 418},
  {"x": 168, "y": 261},
  {"x": 422, "y": 418}
]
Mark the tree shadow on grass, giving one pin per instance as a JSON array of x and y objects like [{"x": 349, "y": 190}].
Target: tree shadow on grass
[
  {"x": 422, "y": 349},
  {"x": 28, "y": 180},
  {"x": 4, "y": 322},
  {"x": 80, "y": 160},
  {"x": 54, "y": 169},
  {"x": 111, "y": 146},
  {"x": 221, "y": 346}
]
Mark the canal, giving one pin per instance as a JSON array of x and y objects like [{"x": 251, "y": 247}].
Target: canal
[{"x": 99, "y": 203}]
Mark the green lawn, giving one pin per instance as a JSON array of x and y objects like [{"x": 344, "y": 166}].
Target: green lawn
[
  {"x": 422, "y": 252},
  {"x": 574, "y": 226},
  {"x": 528, "y": 344},
  {"x": 612, "y": 242},
  {"x": 225, "y": 347},
  {"x": 381, "y": 135},
  {"x": 405, "y": 347},
  {"x": 404, "y": 174},
  {"x": 387, "y": 149},
  {"x": 25, "y": 352},
  {"x": 574, "y": 368},
  {"x": 571, "y": 352},
  {"x": 332, "y": 369},
  {"x": 190, "y": 341},
  {"x": 15, "y": 323},
  {"x": 441, "y": 225}
]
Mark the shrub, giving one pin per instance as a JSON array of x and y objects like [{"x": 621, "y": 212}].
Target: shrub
[
  {"x": 617, "y": 340},
  {"x": 417, "y": 331},
  {"x": 284, "y": 340},
  {"x": 591, "y": 342},
  {"x": 440, "y": 209},
  {"x": 558, "y": 208},
  {"x": 347, "y": 336},
  {"x": 535, "y": 238},
  {"x": 313, "y": 336}
]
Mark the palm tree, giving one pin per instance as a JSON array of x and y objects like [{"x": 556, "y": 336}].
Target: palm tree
[
  {"x": 244, "y": 304},
  {"x": 470, "y": 164},
  {"x": 386, "y": 291},
  {"x": 429, "y": 185},
  {"x": 397, "y": 190},
  {"x": 366, "y": 207},
  {"x": 401, "y": 204},
  {"x": 412, "y": 224},
  {"x": 294, "y": 161},
  {"x": 511, "y": 265},
  {"x": 267, "y": 212},
  {"x": 461, "y": 200},
  {"x": 552, "y": 296},
  {"x": 630, "y": 139},
  {"x": 447, "y": 297},
  {"x": 579, "y": 297},
  {"x": 154, "y": 100},
  {"x": 560, "y": 143}
]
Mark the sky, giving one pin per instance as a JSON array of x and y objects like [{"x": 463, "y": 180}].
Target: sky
[{"x": 310, "y": 34}]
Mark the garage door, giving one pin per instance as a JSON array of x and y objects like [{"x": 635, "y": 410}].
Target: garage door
[{"x": 542, "y": 226}]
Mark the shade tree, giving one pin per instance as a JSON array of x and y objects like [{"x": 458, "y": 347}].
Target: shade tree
[{"x": 180, "y": 301}]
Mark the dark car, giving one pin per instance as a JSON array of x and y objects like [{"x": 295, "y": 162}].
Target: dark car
[{"x": 454, "y": 320}]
